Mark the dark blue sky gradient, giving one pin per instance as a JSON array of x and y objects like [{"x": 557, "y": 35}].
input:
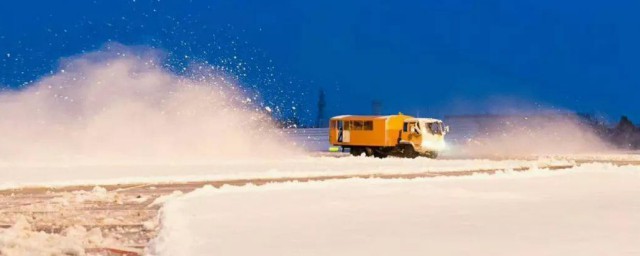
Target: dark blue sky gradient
[{"x": 427, "y": 57}]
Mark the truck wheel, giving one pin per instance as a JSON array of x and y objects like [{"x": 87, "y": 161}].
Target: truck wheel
[
  {"x": 368, "y": 151},
  {"x": 379, "y": 154},
  {"x": 355, "y": 151},
  {"x": 433, "y": 155},
  {"x": 409, "y": 152}
]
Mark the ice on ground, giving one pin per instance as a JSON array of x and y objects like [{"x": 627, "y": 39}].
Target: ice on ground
[
  {"x": 13, "y": 176},
  {"x": 588, "y": 210}
]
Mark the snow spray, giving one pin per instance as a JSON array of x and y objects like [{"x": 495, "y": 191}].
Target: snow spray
[
  {"x": 121, "y": 105},
  {"x": 530, "y": 134}
]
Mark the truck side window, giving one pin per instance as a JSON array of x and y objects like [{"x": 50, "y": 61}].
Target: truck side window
[
  {"x": 405, "y": 127},
  {"x": 368, "y": 125},
  {"x": 358, "y": 125},
  {"x": 347, "y": 125}
]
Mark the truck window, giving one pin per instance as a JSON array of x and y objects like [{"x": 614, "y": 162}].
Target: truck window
[
  {"x": 405, "y": 127},
  {"x": 347, "y": 125},
  {"x": 435, "y": 128},
  {"x": 358, "y": 125},
  {"x": 368, "y": 125}
]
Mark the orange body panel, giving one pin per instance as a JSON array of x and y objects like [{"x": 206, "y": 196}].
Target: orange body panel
[
  {"x": 415, "y": 139},
  {"x": 379, "y": 131}
]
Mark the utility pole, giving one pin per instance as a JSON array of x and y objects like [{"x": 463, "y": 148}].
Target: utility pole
[{"x": 321, "y": 105}]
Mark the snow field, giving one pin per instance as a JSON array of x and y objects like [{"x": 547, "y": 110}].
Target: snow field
[{"x": 589, "y": 210}]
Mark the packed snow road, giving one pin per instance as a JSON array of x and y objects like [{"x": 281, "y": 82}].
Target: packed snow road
[{"x": 17, "y": 176}]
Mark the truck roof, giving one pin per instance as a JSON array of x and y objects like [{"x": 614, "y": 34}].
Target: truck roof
[
  {"x": 366, "y": 117},
  {"x": 408, "y": 118},
  {"x": 428, "y": 120}
]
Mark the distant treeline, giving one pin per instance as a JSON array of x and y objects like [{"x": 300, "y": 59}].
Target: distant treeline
[{"x": 624, "y": 135}]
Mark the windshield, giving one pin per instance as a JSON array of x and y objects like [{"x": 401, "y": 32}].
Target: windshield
[{"x": 435, "y": 128}]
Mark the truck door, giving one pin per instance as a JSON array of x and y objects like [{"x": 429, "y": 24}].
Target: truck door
[
  {"x": 346, "y": 136},
  {"x": 343, "y": 134},
  {"x": 414, "y": 134},
  {"x": 340, "y": 130}
]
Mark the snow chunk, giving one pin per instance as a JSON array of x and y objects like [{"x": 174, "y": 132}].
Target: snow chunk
[
  {"x": 97, "y": 194},
  {"x": 21, "y": 239}
]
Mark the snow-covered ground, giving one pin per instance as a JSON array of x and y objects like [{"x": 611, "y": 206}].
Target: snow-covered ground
[
  {"x": 93, "y": 222},
  {"x": 593, "y": 209},
  {"x": 14, "y": 176},
  {"x": 630, "y": 156}
]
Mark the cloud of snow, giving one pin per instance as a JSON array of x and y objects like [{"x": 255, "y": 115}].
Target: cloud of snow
[
  {"x": 519, "y": 128},
  {"x": 121, "y": 105}
]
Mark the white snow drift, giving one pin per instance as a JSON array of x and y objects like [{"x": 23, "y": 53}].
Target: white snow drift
[{"x": 590, "y": 210}]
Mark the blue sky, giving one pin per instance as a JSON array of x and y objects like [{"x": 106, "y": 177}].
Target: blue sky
[{"x": 427, "y": 57}]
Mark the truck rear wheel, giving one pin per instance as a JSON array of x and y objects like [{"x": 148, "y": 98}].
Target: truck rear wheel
[
  {"x": 368, "y": 151},
  {"x": 356, "y": 151}
]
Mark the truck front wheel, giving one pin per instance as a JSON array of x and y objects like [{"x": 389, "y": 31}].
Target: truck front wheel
[
  {"x": 381, "y": 152},
  {"x": 409, "y": 152}
]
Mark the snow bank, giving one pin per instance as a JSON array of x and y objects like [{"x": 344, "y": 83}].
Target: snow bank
[{"x": 589, "y": 210}]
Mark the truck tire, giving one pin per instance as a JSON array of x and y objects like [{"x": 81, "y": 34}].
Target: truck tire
[
  {"x": 355, "y": 151},
  {"x": 433, "y": 155},
  {"x": 380, "y": 153},
  {"x": 409, "y": 152},
  {"x": 368, "y": 151}
]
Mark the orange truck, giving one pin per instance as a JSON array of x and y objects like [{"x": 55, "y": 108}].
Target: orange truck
[{"x": 381, "y": 136}]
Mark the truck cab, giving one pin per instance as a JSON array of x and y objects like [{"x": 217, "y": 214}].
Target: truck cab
[{"x": 425, "y": 135}]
